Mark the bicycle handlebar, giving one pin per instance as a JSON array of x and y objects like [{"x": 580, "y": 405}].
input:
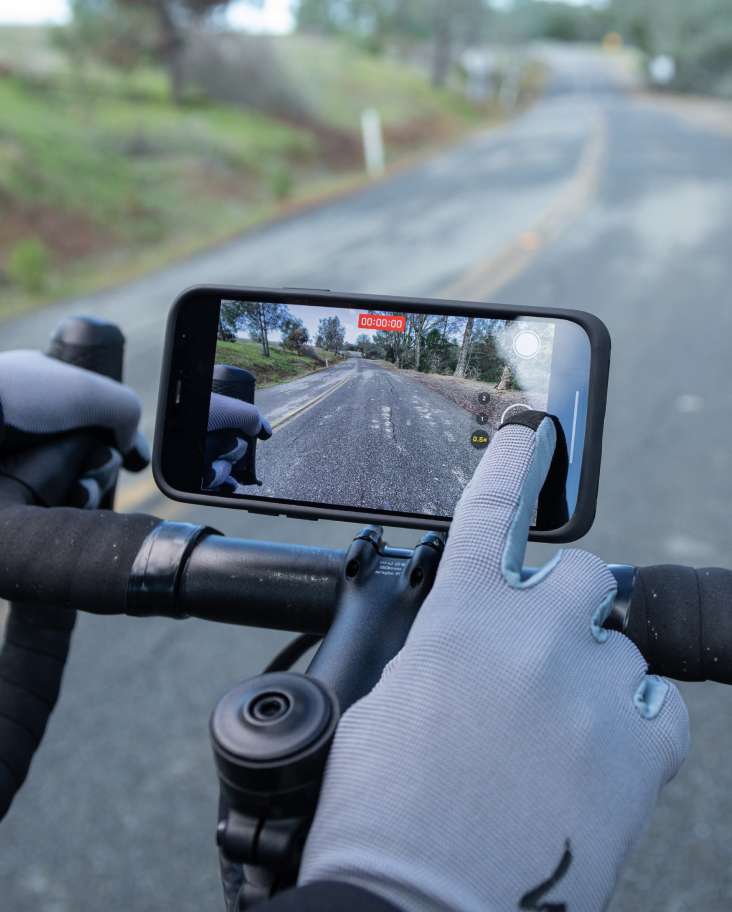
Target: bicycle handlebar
[
  {"x": 680, "y": 618},
  {"x": 38, "y": 635}
]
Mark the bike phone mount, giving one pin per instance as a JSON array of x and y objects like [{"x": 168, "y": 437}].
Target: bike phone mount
[{"x": 271, "y": 734}]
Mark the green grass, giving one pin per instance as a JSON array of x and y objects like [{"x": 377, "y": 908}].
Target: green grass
[
  {"x": 110, "y": 183},
  {"x": 115, "y": 159},
  {"x": 281, "y": 365},
  {"x": 399, "y": 91},
  {"x": 102, "y": 178}
]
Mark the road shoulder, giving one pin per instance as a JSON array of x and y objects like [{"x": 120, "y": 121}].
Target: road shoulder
[{"x": 713, "y": 114}]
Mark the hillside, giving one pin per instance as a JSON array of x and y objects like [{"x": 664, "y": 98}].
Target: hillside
[
  {"x": 281, "y": 364},
  {"x": 101, "y": 177}
]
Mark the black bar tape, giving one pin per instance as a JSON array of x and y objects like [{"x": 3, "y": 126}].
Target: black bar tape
[
  {"x": 681, "y": 620},
  {"x": 51, "y": 563},
  {"x": 76, "y": 558},
  {"x": 57, "y": 557},
  {"x": 37, "y": 640}
]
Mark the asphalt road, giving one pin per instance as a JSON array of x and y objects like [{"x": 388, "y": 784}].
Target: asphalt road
[
  {"x": 370, "y": 419},
  {"x": 120, "y": 807},
  {"x": 393, "y": 442},
  {"x": 277, "y": 403}
]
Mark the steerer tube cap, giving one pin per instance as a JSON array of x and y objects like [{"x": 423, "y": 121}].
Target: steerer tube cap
[{"x": 271, "y": 736}]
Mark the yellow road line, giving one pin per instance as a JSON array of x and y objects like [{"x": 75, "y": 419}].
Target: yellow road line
[
  {"x": 489, "y": 275},
  {"x": 276, "y": 425},
  {"x": 133, "y": 495}
]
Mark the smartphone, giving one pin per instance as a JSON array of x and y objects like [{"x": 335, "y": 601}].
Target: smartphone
[{"x": 319, "y": 404}]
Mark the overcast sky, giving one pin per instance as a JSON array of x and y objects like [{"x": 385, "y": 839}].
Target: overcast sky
[
  {"x": 311, "y": 316},
  {"x": 275, "y": 15}
]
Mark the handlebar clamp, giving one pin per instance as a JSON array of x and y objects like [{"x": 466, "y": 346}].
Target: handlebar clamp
[{"x": 154, "y": 577}]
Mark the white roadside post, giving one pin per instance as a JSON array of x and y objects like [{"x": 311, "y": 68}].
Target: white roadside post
[
  {"x": 373, "y": 142},
  {"x": 479, "y": 66},
  {"x": 662, "y": 69}
]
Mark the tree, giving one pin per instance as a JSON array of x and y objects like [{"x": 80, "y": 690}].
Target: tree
[
  {"x": 363, "y": 343},
  {"x": 172, "y": 19},
  {"x": 442, "y": 48},
  {"x": 259, "y": 318},
  {"x": 231, "y": 319},
  {"x": 697, "y": 35},
  {"x": 441, "y": 352},
  {"x": 117, "y": 34},
  {"x": 263, "y": 318},
  {"x": 484, "y": 359},
  {"x": 125, "y": 32},
  {"x": 316, "y": 16},
  {"x": 331, "y": 334},
  {"x": 420, "y": 325},
  {"x": 392, "y": 345},
  {"x": 379, "y": 24},
  {"x": 464, "y": 356},
  {"x": 294, "y": 335}
]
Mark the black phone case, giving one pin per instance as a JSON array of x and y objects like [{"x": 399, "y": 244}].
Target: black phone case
[{"x": 581, "y": 520}]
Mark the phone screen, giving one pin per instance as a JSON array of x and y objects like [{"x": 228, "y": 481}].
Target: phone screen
[{"x": 375, "y": 410}]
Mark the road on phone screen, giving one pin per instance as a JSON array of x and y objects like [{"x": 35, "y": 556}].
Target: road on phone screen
[
  {"x": 369, "y": 417},
  {"x": 594, "y": 199}
]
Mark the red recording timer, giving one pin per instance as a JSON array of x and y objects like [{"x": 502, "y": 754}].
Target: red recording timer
[{"x": 384, "y": 322}]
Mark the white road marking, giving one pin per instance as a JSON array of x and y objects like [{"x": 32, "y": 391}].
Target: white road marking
[{"x": 462, "y": 480}]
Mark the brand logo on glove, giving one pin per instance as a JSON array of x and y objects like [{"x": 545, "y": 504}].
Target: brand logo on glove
[{"x": 530, "y": 902}]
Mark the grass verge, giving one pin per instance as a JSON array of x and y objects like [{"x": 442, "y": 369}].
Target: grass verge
[
  {"x": 280, "y": 366},
  {"x": 102, "y": 179}
]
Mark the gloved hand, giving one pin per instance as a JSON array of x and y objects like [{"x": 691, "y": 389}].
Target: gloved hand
[
  {"x": 230, "y": 422},
  {"x": 41, "y": 397},
  {"x": 512, "y": 752}
]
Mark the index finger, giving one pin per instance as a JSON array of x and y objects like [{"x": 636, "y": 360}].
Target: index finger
[{"x": 490, "y": 530}]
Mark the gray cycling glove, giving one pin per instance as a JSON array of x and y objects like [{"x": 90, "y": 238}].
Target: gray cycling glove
[
  {"x": 41, "y": 397},
  {"x": 230, "y": 422},
  {"x": 512, "y": 752},
  {"x": 227, "y": 413}
]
